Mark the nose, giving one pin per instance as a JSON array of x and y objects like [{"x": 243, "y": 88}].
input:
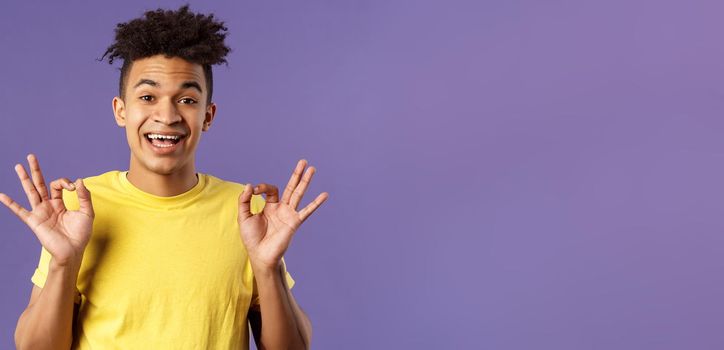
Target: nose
[{"x": 167, "y": 113}]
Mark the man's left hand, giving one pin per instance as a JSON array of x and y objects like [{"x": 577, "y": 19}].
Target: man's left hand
[{"x": 267, "y": 234}]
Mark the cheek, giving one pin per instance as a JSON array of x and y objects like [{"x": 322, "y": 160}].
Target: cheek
[
  {"x": 132, "y": 127},
  {"x": 193, "y": 140},
  {"x": 134, "y": 120},
  {"x": 195, "y": 123},
  {"x": 132, "y": 135}
]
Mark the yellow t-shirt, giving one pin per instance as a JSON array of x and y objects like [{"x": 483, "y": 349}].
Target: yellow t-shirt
[{"x": 162, "y": 272}]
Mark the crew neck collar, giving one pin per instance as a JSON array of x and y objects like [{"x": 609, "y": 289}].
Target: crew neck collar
[{"x": 179, "y": 199}]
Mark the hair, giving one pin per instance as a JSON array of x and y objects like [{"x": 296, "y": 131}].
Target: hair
[{"x": 196, "y": 38}]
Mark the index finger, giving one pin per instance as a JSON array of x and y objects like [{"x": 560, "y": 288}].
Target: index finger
[{"x": 271, "y": 191}]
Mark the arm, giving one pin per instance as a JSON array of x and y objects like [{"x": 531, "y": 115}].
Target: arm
[
  {"x": 279, "y": 308},
  {"x": 48, "y": 320},
  {"x": 267, "y": 236}
]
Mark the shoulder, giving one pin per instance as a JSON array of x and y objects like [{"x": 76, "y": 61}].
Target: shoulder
[
  {"x": 94, "y": 184},
  {"x": 223, "y": 188},
  {"x": 105, "y": 181},
  {"x": 217, "y": 184}
]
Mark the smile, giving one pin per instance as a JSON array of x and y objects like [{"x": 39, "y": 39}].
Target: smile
[{"x": 163, "y": 140}]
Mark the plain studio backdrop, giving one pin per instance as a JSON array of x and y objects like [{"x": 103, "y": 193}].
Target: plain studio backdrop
[{"x": 503, "y": 174}]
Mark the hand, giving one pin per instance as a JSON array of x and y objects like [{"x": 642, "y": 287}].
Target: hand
[
  {"x": 63, "y": 233},
  {"x": 268, "y": 233}
]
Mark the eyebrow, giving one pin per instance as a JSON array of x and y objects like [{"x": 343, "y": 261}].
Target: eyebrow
[
  {"x": 191, "y": 84},
  {"x": 184, "y": 85},
  {"x": 147, "y": 82}
]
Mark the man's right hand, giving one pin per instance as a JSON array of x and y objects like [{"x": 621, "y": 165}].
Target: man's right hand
[{"x": 63, "y": 233}]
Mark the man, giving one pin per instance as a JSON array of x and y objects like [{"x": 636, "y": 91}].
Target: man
[{"x": 161, "y": 256}]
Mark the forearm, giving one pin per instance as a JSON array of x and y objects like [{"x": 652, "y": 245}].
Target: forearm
[
  {"x": 48, "y": 322},
  {"x": 281, "y": 326},
  {"x": 303, "y": 323}
]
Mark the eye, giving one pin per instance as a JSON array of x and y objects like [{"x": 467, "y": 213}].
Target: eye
[
  {"x": 147, "y": 98},
  {"x": 187, "y": 100}
]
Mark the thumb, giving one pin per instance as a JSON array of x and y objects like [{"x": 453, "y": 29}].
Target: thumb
[
  {"x": 84, "y": 198},
  {"x": 245, "y": 203}
]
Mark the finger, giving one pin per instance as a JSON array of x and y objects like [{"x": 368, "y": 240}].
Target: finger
[
  {"x": 294, "y": 180},
  {"x": 37, "y": 176},
  {"x": 302, "y": 187},
  {"x": 311, "y": 207},
  {"x": 28, "y": 186},
  {"x": 271, "y": 191},
  {"x": 57, "y": 186},
  {"x": 16, "y": 208},
  {"x": 84, "y": 198},
  {"x": 245, "y": 203}
]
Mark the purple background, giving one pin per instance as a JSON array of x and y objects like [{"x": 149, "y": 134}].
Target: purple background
[{"x": 503, "y": 175}]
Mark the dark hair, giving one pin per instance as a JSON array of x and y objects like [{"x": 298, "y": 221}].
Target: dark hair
[{"x": 196, "y": 38}]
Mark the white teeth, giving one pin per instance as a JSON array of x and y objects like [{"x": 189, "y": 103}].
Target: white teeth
[
  {"x": 163, "y": 146},
  {"x": 163, "y": 137}
]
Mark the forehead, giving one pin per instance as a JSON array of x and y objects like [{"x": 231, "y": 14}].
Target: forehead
[{"x": 161, "y": 68}]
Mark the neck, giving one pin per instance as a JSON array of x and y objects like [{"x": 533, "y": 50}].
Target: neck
[{"x": 163, "y": 185}]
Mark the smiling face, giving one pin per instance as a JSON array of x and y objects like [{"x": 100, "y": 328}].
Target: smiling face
[{"x": 164, "y": 111}]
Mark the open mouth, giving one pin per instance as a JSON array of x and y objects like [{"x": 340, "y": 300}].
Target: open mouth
[{"x": 163, "y": 141}]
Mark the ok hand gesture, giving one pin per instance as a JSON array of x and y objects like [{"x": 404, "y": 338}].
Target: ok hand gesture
[
  {"x": 267, "y": 234},
  {"x": 63, "y": 233}
]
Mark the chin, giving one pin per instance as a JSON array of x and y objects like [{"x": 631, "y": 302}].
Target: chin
[
  {"x": 160, "y": 166},
  {"x": 164, "y": 169}
]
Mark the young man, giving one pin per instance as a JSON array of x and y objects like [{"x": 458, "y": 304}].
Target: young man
[{"x": 161, "y": 256}]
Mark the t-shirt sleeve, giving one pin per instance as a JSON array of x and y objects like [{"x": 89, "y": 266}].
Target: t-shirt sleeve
[
  {"x": 287, "y": 275},
  {"x": 41, "y": 272},
  {"x": 70, "y": 199}
]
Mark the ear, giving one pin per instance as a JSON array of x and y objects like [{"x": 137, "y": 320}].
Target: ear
[
  {"x": 209, "y": 116},
  {"x": 119, "y": 111}
]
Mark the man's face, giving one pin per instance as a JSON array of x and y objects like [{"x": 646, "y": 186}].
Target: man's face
[{"x": 164, "y": 111}]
